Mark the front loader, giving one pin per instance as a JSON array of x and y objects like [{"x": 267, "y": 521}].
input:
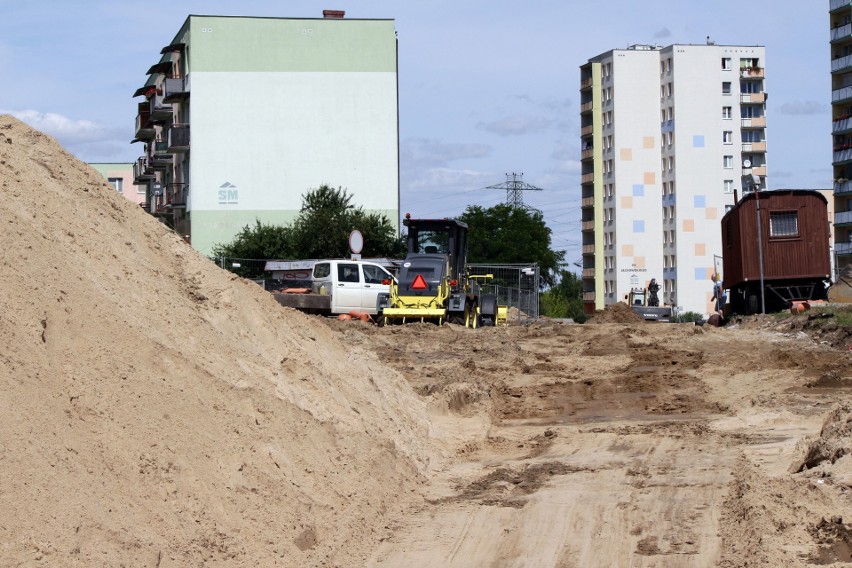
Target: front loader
[{"x": 433, "y": 284}]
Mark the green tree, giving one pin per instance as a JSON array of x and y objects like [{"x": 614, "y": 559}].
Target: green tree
[
  {"x": 564, "y": 299},
  {"x": 507, "y": 234},
  {"x": 321, "y": 230},
  {"x": 263, "y": 241},
  {"x": 328, "y": 217}
]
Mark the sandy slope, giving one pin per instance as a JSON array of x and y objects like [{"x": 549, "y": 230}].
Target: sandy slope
[{"x": 156, "y": 411}]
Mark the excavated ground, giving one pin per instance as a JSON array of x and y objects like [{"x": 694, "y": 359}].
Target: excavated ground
[{"x": 626, "y": 444}]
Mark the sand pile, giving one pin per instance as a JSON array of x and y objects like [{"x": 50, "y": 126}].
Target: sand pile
[
  {"x": 156, "y": 411},
  {"x": 618, "y": 312}
]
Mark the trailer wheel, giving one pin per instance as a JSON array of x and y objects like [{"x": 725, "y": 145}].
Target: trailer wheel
[{"x": 753, "y": 304}]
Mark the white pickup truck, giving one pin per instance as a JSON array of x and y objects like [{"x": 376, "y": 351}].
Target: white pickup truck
[{"x": 339, "y": 287}]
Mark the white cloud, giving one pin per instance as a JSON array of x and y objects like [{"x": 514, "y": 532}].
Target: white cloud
[
  {"x": 430, "y": 152},
  {"x": 88, "y": 140},
  {"x": 61, "y": 127},
  {"x": 517, "y": 125},
  {"x": 803, "y": 108},
  {"x": 663, "y": 33}
]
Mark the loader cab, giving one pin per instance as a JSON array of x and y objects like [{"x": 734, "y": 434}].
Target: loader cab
[{"x": 445, "y": 238}]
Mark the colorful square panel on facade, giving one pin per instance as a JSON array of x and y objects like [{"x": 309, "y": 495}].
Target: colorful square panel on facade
[
  {"x": 627, "y": 203},
  {"x": 650, "y": 178},
  {"x": 711, "y": 213},
  {"x": 639, "y": 261},
  {"x": 699, "y": 201},
  {"x": 638, "y": 190},
  {"x": 688, "y": 226},
  {"x": 648, "y": 142},
  {"x": 626, "y": 250},
  {"x": 702, "y": 273},
  {"x": 700, "y": 249},
  {"x": 626, "y": 154},
  {"x": 698, "y": 141},
  {"x": 639, "y": 226}
]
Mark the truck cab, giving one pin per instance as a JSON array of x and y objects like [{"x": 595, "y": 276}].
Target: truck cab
[{"x": 351, "y": 284}]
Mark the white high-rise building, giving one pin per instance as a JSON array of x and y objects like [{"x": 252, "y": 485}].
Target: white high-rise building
[{"x": 668, "y": 135}]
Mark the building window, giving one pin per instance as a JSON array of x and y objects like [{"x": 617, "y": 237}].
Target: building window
[
  {"x": 729, "y": 186},
  {"x": 783, "y": 224},
  {"x": 726, "y": 63},
  {"x": 117, "y": 183},
  {"x": 727, "y": 137},
  {"x": 728, "y": 162},
  {"x": 726, "y": 87},
  {"x": 726, "y": 113}
]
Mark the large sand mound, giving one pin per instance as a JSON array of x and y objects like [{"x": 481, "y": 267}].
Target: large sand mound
[{"x": 156, "y": 411}]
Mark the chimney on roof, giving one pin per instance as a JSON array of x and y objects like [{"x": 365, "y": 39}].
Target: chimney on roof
[{"x": 333, "y": 14}]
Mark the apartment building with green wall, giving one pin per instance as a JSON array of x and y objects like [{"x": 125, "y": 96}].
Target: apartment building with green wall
[{"x": 241, "y": 116}]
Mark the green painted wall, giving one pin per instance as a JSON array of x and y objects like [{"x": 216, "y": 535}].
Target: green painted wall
[
  {"x": 270, "y": 44},
  {"x": 214, "y": 227}
]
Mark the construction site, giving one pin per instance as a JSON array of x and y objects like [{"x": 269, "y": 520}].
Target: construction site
[{"x": 160, "y": 411}]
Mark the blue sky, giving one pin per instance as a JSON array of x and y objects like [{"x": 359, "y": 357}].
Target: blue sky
[{"x": 486, "y": 87}]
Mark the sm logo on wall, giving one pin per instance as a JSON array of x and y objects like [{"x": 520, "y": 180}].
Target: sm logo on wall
[{"x": 228, "y": 194}]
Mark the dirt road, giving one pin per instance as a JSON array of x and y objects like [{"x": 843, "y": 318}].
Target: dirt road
[{"x": 623, "y": 445}]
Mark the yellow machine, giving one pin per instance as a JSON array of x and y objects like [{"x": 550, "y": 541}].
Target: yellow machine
[{"x": 433, "y": 283}]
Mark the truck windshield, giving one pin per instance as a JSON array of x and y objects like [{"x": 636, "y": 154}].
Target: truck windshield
[{"x": 432, "y": 242}]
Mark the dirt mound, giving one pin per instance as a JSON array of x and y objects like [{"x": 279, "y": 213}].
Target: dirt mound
[
  {"x": 159, "y": 411},
  {"x": 834, "y": 441},
  {"x": 841, "y": 291},
  {"x": 616, "y": 313}
]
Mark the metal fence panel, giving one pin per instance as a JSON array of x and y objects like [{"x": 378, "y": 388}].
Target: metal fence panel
[{"x": 515, "y": 285}]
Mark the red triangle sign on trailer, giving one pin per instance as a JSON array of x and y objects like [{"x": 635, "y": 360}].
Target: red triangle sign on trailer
[{"x": 419, "y": 283}]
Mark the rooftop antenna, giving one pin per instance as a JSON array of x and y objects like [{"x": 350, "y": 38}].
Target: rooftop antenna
[{"x": 515, "y": 186}]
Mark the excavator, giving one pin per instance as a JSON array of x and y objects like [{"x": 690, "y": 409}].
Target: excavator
[
  {"x": 433, "y": 284},
  {"x": 646, "y": 303}
]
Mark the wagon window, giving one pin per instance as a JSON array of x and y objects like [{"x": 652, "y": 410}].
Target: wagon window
[{"x": 783, "y": 224}]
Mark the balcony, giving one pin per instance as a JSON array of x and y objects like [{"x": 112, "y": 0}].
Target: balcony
[
  {"x": 842, "y": 125},
  {"x": 843, "y": 94},
  {"x": 588, "y": 202},
  {"x": 142, "y": 172},
  {"x": 754, "y": 122},
  {"x": 178, "y": 139},
  {"x": 175, "y": 89},
  {"x": 588, "y": 273},
  {"x": 842, "y": 156},
  {"x": 585, "y": 83},
  {"x": 841, "y": 32},
  {"x": 588, "y": 296},
  {"x": 588, "y": 226},
  {"x": 841, "y": 63},
  {"x": 837, "y": 4},
  {"x": 587, "y": 178},
  {"x": 586, "y": 107},
  {"x": 159, "y": 157},
  {"x": 176, "y": 194},
  {"x": 587, "y": 154},
  {"x": 842, "y": 248},
  {"x": 752, "y": 73},
  {"x": 759, "y": 171},
  {"x": 754, "y": 147},
  {"x": 159, "y": 111},
  {"x": 752, "y": 98},
  {"x": 144, "y": 129},
  {"x": 842, "y": 218},
  {"x": 842, "y": 187},
  {"x": 586, "y": 130},
  {"x": 588, "y": 249}
]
